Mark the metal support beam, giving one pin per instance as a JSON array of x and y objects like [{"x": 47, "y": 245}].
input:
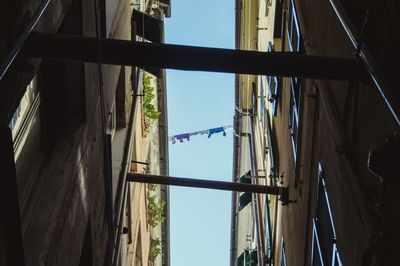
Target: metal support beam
[
  {"x": 210, "y": 184},
  {"x": 142, "y": 54},
  {"x": 11, "y": 246}
]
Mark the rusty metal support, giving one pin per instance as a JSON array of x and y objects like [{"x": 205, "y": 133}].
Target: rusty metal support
[
  {"x": 210, "y": 184},
  {"x": 142, "y": 54}
]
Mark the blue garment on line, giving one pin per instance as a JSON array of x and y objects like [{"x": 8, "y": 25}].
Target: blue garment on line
[{"x": 216, "y": 130}]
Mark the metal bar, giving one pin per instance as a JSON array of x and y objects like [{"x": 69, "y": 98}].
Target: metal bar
[
  {"x": 6, "y": 63},
  {"x": 139, "y": 162},
  {"x": 389, "y": 94},
  {"x": 12, "y": 252},
  {"x": 143, "y": 54},
  {"x": 201, "y": 183}
]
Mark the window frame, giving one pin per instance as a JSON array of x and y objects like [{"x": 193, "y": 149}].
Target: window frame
[
  {"x": 282, "y": 257},
  {"x": 293, "y": 30},
  {"x": 268, "y": 230},
  {"x": 294, "y": 114},
  {"x": 272, "y": 151},
  {"x": 322, "y": 195},
  {"x": 293, "y": 23},
  {"x": 315, "y": 240},
  {"x": 273, "y": 91}
]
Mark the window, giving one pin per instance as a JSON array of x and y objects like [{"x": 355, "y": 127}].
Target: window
[
  {"x": 324, "y": 248},
  {"x": 293, "y": 29},
  {"x": 248, "y": 258},
  {"x": 283, "y": 254},
  {"x": 262, "y": 103},
  {"x": 26, "y": 119},
  {"x": 294, "y": 38},
  {"x": 278, "y": 19},
  {"x": 245, "y": 198},
  {"x": 336, "y": 258},
  {"x": 272, "y": 152},
  {"x": 28, "y": 133},
  {"x": 294, "y": 112},
  {"x": 268, "y": 231},
  {"x": 274, "y": 85},
  {"x": 316, "y": 248}
]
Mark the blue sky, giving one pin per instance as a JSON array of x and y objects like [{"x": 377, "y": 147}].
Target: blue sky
[{"x": 200, "y": 219}]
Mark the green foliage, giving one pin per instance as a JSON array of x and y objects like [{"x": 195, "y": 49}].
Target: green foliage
[
  {"x": 152, "y": 187},
  {"x": 156, "y": 209},
  {"x": 155, "y": 248},
  {"x": 150, "y": 111}
]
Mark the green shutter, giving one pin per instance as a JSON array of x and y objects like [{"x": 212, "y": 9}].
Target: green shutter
[
  {"x": 246, "y": 178},
  {"x": 252, "y": 258},
  {"x": 240, "y": 260},
  {"x": 244, "y": 199},
  {"x": 272, "y": 151}
]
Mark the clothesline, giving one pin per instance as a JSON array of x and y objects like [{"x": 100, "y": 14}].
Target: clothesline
[{"x": 210, "y": 132}]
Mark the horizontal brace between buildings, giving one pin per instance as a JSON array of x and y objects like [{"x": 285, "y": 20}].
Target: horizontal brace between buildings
[
  {"x": 210, "y": 184},
  {"x": 144, "y": 54}
]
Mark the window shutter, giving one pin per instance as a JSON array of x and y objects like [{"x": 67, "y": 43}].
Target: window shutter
[
  {"x": 244, "y": 199},
  {"x": 245, "y": 179},
  {"x": 252, "y": 258},
  {"x": 240, "y": 260}
]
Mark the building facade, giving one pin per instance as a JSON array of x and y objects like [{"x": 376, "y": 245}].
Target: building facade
[
  {"x": 77, "y": 130},
  {"x": 315, "y": 137}
]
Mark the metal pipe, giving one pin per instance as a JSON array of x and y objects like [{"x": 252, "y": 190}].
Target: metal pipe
[
  {"x": 7, "y": 62},
  {"x": 201, "y": 183},
  {"x": 143, "y": 54},
  {"x": 126, "y": 165},
  {"x": 389, "y": 94},
  {"x": 235, "y": 165}
]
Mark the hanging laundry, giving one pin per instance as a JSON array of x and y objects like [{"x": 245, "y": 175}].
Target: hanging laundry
[
  {"x": 216, "y": 130},
  {"x": 182, "y": 137},
  {"x": 186, "y": 136},
  {"x": 203, "y": 132}
]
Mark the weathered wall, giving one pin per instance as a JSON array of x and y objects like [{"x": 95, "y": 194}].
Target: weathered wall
[
  {"x": 69, "y": 190},
  {"x": 338, "y": 132}
]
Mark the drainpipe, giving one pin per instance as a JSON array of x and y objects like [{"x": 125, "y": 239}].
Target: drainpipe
[
  {"x": 164, "y": 169},
  {"x": 234, "y": 211},
  {"x": 125, "y": 168}
]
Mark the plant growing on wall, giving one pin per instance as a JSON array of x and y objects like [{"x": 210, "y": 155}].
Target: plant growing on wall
[
  {"x": 150, "y": 111},
  {"x": 155, "y": 207},
  {"x": 155, "y": 248}
]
